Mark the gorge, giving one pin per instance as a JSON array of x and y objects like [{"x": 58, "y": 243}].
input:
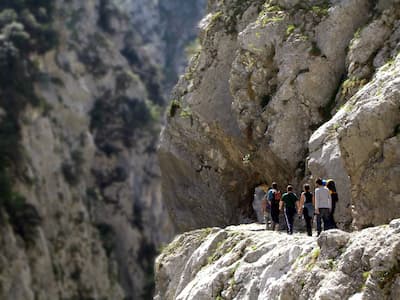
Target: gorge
[
  {"x": 83, "y": 88},
  {"x": 285, "y": 91},
  {"x": 100, "y": 167}
]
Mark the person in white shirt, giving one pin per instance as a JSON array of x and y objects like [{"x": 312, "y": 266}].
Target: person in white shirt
[{"x": 323, "y": 206}]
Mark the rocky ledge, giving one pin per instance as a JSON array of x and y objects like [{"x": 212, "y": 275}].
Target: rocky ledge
[{"x": 247, "y": 262}]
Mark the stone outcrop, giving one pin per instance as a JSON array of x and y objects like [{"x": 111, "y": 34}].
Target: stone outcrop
[
  {"x": 358, "y": 146},
  {"x": 247, "y": 262},
  {"x": 82, "y": 93},
  {"x": 262, "y": 102}
]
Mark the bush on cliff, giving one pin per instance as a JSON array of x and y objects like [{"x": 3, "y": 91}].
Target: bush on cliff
[{"x": 25, "y": 28}]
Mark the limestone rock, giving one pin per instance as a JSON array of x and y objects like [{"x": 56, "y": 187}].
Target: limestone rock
[
  {"x": 266, "y": 100},
  {"x": 359, "y": 148},
  {"x": 85, "y": 215},
  {"x": 247, "y": 262}
]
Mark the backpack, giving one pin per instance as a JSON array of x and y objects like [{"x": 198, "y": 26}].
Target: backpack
[
  {"x": 277, "y": 196},
  {"x": 271, "y": 196},
  {"x": 274, "y": 195}
]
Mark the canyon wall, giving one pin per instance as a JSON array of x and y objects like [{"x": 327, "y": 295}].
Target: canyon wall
[
  {"x": 286, "y": 91},
  {"x": 83, "y": 90}
]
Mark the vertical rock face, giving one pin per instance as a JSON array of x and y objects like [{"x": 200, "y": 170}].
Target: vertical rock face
[
  {"x": 357, "y": 146},
  {"x": 266, "y": 99},
  {"x": 82, "y": 93}
]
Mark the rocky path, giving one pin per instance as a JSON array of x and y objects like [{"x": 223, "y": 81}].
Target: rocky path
[{"x": 248, "y": 262}]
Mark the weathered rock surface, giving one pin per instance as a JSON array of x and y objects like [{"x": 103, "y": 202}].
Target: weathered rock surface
[
  {"x": 270, "y": 76},
  {"x": 359, "y": 146},
  {"x": 356, "y": 146},
  {"x": 247, "y": 262},
  {"x": 85, "y": 218}
]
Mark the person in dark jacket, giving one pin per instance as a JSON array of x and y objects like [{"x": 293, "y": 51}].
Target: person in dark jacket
[
  {"x": 290, "y": 202},
  {"x": 330, "y": 184},
  {"x": 306, "y": 207},
  {"x": 274, "y": 197}
]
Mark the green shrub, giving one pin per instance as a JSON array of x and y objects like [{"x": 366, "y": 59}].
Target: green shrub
[
  {"x": 7, "y": 16},
  {"x": 155, "y": 111},
  {"x": 35, "y": 16},
  {"x": 122, "y": 117},
  {"x": 386, "y": 278},
  {"x": 25, "y": 28},
  {"x": 290, "y": 29},
  {"x": 23, "y": 217},
  {"x": 77, "y": 158},
  {"x": 357, "y": 34},
  {"x": 107, "y": 11},
  {"x": 134, "y": 113},
  {"x": 321, "y": 11},
  {"x": 72, "y": 170},
  {"x": 272, "y": 8},
  {"x": 186, "y": 113},
  {"x": 107, "y": 236},
  {"x": 192, "y": 49},
  {"x": 70, "y": 173},
  {"x": 173, "y": 108},
  {"x": 16, "y": 34}
]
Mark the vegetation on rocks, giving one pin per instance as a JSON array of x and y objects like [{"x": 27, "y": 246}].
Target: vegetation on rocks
[
  {"x": 81, "y": 96},
  {"x": 173, "y": 107},
  {"x": 25, "y": 28},
  {"x": 137, "y": 117},
  {"x": 294, "y": 267},
  {"x": 277, "y": 82}
]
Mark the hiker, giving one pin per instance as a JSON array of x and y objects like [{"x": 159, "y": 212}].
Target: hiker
[
  {"x": 306, "y": 207},
  {"x": 266, "y": 209},
  {"x": 323, "y": 205},
  {"x": 330, "y": 184},
  {"x": 259, "y": 195},
  {"x": 290, "y": 202},
  {"x": 274, "y": 197}
]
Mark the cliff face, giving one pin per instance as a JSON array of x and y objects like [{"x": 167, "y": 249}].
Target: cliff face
[
  {"x": 83, "y": 87},
  {"x": 246, "y": 262},
  {"x": 286, "y": 91}
]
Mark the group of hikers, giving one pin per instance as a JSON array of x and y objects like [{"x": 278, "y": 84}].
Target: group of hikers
[{"x": 321, "y": 203}]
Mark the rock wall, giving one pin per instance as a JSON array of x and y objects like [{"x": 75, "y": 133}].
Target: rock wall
[
  {"x": 247, "y": 262},
  {"x": 286, "y": 91},
  {"x": 83, "y": 87},
  {"x": 358, "y": 145}
]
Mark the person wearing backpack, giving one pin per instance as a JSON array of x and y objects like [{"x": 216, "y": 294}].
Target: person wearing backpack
[
  {"x": 306, "y": 207},
  {"x": 274, "y": 197},
  {"x": 330, "y": 184},
  {"x": 323, "y": 206},
  {"x": 290, "y": 202},
  {"x": 266, "y": 210}
]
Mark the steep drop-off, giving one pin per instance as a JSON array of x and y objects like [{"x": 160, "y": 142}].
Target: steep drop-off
[
  {"x": 287, "y": 91},
  {"x": 82, "y": 93}
]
